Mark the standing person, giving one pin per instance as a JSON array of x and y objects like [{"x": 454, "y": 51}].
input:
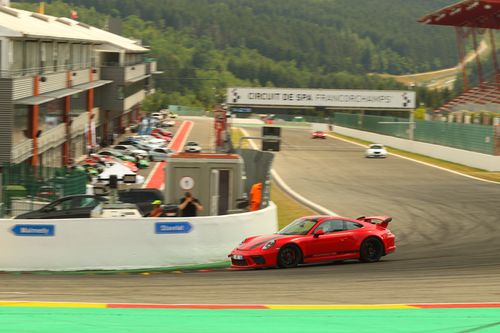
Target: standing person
[
  {"x": 255, "y": 197},
  {"x": 189, "y": 206},
  {"x": 157, "y": 210}
]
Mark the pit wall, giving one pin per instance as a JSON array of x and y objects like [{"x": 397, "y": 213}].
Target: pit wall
[
  {"x": 469, "y": 158},
  {"x": 114, "y": 244}
]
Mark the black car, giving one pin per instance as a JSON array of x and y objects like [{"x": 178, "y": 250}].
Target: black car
[
  {"x": 80, "y": 206},
  {"x": 69, "y": 207}
]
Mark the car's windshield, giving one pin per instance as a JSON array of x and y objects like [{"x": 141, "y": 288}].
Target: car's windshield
[
  {"x": 298, "y": 227},
  {"x": 376, "y": 147}
]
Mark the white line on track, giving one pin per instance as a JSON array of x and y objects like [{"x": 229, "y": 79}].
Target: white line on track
[
  {"x": 287, "y": 189},
  {"x": 421, "y": 162}
]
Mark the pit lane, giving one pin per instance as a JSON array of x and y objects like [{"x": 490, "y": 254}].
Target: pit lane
[{"x": 447, "y": 229}]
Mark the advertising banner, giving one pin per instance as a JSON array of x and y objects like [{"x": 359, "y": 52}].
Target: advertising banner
[{"x": 381, "y": 99}]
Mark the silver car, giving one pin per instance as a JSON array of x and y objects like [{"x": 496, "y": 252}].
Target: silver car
[
  {"x": 192, "y": 147},
  {"x": 160, "y": 154},
  {"x": 130, "y": 150}
]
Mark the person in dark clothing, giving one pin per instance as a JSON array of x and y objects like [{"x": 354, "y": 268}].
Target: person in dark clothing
[{"x": 189, "y": 206}]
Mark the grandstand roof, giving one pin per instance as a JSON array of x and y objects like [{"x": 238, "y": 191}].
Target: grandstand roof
[{"x": 467, "y": 13}]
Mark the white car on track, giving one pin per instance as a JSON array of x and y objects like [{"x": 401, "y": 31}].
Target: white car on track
[{"x": 376, "y": 150}]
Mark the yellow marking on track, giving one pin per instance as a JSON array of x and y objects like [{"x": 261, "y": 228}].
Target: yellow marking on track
[
  {"x": 342, "y": 307},
  {"x": 53, "y": 304}
]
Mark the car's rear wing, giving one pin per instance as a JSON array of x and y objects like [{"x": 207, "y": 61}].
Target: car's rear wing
[{"x": 382, "y": 221}]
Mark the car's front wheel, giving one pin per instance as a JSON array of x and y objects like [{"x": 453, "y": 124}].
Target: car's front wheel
[
  {"x": 371, "y": 250},
  {"x": 289, "y": 256}
]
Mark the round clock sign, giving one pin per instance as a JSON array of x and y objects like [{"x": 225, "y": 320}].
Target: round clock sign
[{"x": 186, "y": 183}]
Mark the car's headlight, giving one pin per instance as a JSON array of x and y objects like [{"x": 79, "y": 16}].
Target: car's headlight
[{"x": 269, "y": 245}]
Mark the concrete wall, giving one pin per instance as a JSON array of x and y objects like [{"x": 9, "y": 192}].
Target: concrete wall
[
  {"x": 469, "y": 158},
  {"x": 80, "y": 244}
]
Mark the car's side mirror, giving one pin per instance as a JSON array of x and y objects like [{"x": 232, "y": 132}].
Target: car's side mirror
[{"x": 318, "y": 233}]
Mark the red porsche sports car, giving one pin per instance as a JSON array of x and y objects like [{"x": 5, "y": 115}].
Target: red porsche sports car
[
  {"x": 318, "y": 135},
  {"x": 316, "y": 239}
]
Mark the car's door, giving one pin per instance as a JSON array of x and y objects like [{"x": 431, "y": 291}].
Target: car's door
[{"x": 336, "y": 242}]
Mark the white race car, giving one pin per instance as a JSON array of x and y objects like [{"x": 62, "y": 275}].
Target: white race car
[{"x": 376, "y": 150}]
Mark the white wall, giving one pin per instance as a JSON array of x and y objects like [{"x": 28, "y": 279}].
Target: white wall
[
  {"x": 128, "y": 243},
  {"x": 465, "y": 157}
]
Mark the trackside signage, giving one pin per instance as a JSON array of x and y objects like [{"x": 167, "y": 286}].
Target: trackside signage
[
  {"x": 33, "y": 230},
  {"x": 382, "y": 99},
  {"x": 172, "y": 227}
]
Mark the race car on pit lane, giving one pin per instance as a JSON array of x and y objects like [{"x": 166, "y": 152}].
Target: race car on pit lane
[{"x": 314, "y": 239}]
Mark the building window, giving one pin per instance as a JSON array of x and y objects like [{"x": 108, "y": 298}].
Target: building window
[
  {"x": 32, "y": 57},
  {"x": 76, "y": 56},
  {"x": 47, "y": 57},
  {"x": 16, "y": 62},
  {"x": 63, "y": 56}
]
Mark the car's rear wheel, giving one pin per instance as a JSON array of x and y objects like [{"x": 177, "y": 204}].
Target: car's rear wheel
[
  {"x": 371, "y": 250},
  {"x": 289, "y": 256}
]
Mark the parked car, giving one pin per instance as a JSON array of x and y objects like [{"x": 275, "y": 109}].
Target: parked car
[
  {"x": 157, "y": 115},
  {"x": 81, "y": 205},
  {"x": 376, "y": 150},
  {"x": 162, "y": 132},
  {"x": 69, "y": 207},
  {"x": 192, "y": 147},
  {"x": 130, "y": 150},
  {"x": 160, "y": 154},
  {"x": 161, "y": 136},
  {"x": 167, "y": 123},
  {"x": 317, "y": 239},
  {"x": 116, "y": 153}
]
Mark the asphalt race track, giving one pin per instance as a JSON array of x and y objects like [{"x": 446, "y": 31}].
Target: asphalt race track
[{"x": 447, "y": 228}]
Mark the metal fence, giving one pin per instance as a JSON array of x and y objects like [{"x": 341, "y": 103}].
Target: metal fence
[
  {"x": 187, "y": 110},
  {"x": 478, "y": 138},
  {"x": 27, "y": 186},
  {"x": 472, "y": 137}
]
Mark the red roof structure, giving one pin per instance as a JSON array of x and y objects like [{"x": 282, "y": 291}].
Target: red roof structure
[{"x": 468, "y": 13}]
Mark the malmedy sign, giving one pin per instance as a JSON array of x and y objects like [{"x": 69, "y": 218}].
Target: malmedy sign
[{"x": 385, "y": 99}]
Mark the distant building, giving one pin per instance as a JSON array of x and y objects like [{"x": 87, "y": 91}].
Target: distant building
[{"x": 65, "y": 86}]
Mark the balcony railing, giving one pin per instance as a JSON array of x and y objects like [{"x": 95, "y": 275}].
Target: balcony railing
[
  {"x": 22, "y": 151},
  {"x": 14, "y": 73}
]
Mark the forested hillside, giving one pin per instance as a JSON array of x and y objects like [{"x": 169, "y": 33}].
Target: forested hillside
[
  {"x": 205, "y": 45},
  {"x": 352, "y": 35}
]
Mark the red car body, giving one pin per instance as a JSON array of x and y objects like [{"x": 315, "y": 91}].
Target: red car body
[
  {"x": 158, "y": 135},
  {"x": 162, "y": 132},
  {"x": 314, "y": 239},
  {"x": 318, "y": 135}
]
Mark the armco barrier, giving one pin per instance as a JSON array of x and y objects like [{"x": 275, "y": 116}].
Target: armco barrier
[
  {"x": 83, "y": 244},
  {"x": 469, "y": 158}
]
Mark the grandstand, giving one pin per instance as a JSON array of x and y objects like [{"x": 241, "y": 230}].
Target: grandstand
[{"x": 473, "y": 18}]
